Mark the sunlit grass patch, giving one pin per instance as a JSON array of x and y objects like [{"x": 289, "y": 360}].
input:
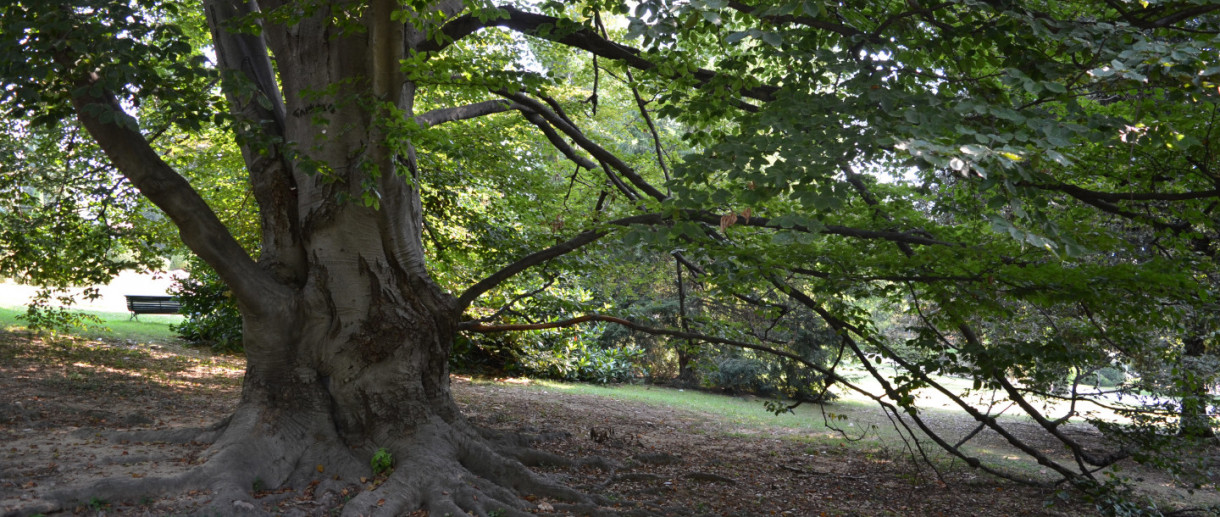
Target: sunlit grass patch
[
  {"x": 743, "y": 411},
  {"x": 113, "y": 325}
]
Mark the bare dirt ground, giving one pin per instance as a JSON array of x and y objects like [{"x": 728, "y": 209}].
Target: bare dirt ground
[{"x": 59, "y": 398}]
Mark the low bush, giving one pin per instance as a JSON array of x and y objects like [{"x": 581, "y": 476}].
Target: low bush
[
  {"x": 212, "y": 319},
  {"x": 737, "y": 375},
  {"x": 565, "y": 355},
  {"x": 577, "y": 360}
]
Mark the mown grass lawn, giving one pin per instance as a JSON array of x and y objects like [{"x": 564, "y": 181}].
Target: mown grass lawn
[{"x": 149, "y": 328}]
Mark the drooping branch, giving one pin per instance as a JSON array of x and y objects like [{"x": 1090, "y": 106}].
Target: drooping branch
[
  {"x": 843, "y": 326},
  {"x": 846, "y": 330},
  {"x": 598, "y": 152},
  {"x": 968, "y": 332},
  {"x": 1046, "y": 424},
  {"x": 990, "y": 421}
]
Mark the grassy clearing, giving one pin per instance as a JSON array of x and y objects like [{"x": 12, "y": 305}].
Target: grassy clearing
[
  {"x": 150, "y": 328},
  {"x": 851, "y": 421},
  {"x": 740, "y": 411}
]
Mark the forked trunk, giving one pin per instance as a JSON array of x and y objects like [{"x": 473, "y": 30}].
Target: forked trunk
[
  {"x": 351, "y": 356},
  {"x": 347, "y": 338}
]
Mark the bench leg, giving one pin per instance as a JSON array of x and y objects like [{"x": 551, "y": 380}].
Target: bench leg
[{"x": 134, "y": 316}]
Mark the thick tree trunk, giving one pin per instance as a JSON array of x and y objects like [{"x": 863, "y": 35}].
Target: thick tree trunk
[
  {"x": 353, "y": 357},
  {"x": 347, "y": 338},
  {"x": 367, "y": 328}
]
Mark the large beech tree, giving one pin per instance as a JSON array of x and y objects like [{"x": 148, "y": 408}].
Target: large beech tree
[{"x": 1023, "y": 179}]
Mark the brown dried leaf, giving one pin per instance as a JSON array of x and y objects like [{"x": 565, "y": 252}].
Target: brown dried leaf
[{"x": 728, "y": 220}]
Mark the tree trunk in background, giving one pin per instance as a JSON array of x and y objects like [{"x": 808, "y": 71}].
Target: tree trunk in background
[
  {"x": 1195, "y": 420},
  {"x": 688, "y": 348}
]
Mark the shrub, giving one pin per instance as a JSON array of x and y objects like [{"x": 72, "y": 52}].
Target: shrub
[
  {"x": 563, "y": 355},
  {"x": 576, "y": 359},
  {"x": 738, "y": 375},
  {"x": 212, "y": 318},
  {"x": 486, "y": 353}
]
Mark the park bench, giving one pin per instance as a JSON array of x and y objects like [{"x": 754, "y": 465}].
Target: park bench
[{"x": 139, "y": 304}]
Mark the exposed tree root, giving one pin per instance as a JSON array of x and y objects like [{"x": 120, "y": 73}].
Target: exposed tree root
[
  {"x": 449, "y": 468},
  {"x": 445, "y": 467}
]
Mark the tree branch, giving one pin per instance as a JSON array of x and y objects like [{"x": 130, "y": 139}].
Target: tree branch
[
  {"x": 254, "y": 99},
  {"x": 197, "y": 224},
  {"x": 585, "y": 143},
  {"x": 1082, "y": 193},
  {"x": 830, "y": 229},
  {"x": 507, "y": 307},
  {"x": 468, "y": 111},
  {"x": 809, "y": 21},
  {"x": 568, "y": 33},
  {"x": 533, "y": 259},
  {"x": 557, "y": 140}
]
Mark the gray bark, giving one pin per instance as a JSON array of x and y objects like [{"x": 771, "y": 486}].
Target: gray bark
[{"x": 346, "y": 335}]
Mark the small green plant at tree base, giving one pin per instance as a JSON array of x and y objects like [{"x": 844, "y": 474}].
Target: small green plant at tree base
[
  {"x": 382, "y": 462},
  {"x": 258, "y": 485},
  {"x": 97, "y": 504}
]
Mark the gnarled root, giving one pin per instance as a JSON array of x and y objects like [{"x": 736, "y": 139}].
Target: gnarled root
[
  {"x": 440, "y": 466},
  {"x": 447, "y": 468}
]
